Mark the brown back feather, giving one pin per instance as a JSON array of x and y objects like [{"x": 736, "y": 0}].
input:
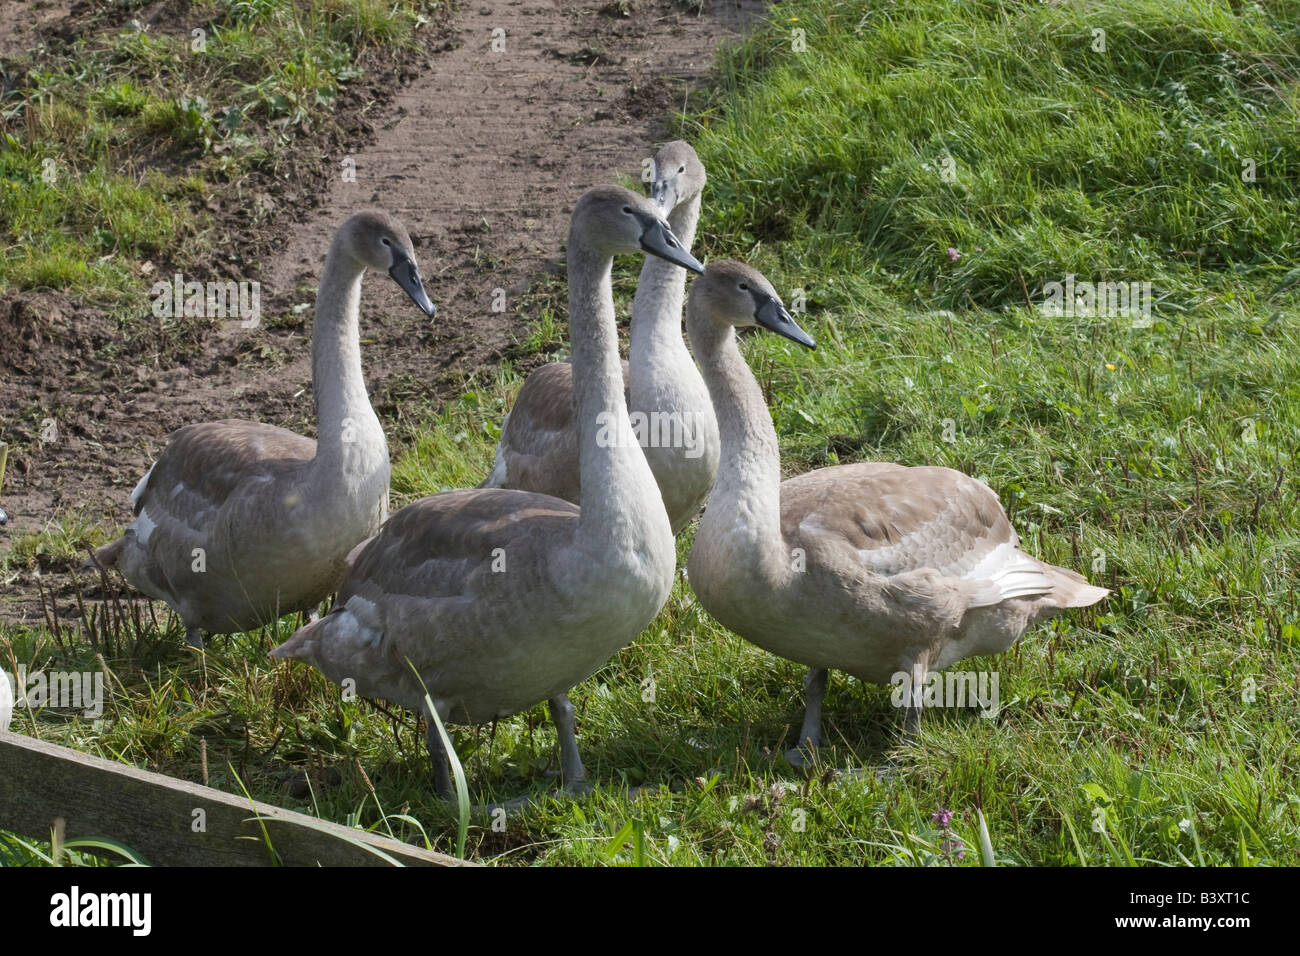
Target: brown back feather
[
  {"x": 898, "y": 518},
  {"x": 212, "y": 458}
]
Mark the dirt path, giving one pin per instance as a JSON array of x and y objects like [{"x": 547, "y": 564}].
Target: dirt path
[
  {"x": 481, "y": 155},
  {"x": 21, "y": 22}
]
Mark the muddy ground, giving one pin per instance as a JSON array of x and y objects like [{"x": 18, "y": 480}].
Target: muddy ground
[{"x": 481, "y": 153}]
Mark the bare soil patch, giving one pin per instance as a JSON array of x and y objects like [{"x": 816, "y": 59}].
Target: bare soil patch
[{"x": 24, "y": 23}]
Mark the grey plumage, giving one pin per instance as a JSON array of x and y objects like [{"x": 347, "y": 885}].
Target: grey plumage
[
  {"x": 875, "y": 568},
  {"x": 502, "y": 598},
  {"x": 238, "y": 522}
]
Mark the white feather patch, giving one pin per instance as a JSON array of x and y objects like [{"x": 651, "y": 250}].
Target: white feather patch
[
  {"x": 141, "y": 485},
  {"x": 498, "y": 477},
  {"x": 6, "y": 701},
  {"x": 1014, "y": 573},
  {"x": 366, "y": 617},
  {"x": 143, "y": 526}
]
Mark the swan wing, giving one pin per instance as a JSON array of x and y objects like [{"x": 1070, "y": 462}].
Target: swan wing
[{"x": 896, "y": 520}]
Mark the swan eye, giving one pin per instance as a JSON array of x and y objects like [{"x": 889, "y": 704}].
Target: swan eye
[
  {"x": 681, "y": 169},
  {"x": 743, "y": 287},
  {"x": 384, "y": 240},
  {"x": 628, "y": 210}
]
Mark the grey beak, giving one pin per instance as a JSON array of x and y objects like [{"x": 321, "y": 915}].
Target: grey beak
[
  {"x": 658, "y": 240},
  {"x": 407, "y": 276},
  {"x": 772, "y": 316}
]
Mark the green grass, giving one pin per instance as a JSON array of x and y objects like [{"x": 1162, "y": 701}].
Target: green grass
[
  {"x": 115, "y": 147},
  {"x": 906, "y": 129},
  {"x": 15, "y": 851},
  {"x": 1155, "y": 459}
]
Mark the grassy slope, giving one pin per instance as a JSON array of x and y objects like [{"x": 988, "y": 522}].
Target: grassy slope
[
  {"x": 1151, "y": 458},
  {"x": 114, "y": 147}
]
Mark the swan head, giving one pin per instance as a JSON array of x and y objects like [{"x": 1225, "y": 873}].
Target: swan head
[
  {"x": 678, "y": 176},
  {"x": 378, "y": 241},
  {"x": 732, "y": 293},
  {"x": 616, "y": 221}
]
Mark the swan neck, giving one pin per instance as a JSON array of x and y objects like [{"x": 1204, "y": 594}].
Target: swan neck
[
  {"x": 656, "y": 335},
  {"x": 744, "y": 507},
  {"x": 348, "y": 431},
  {"x": 620, "y": 500}
]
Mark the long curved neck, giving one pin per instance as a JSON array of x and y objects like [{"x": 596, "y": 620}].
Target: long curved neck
[
  {"x": 620, "y": 500},
  {"x": 656, "y": 336},
  {"x": 744, "y": 507},
  {"x": 349, "y": 436}
]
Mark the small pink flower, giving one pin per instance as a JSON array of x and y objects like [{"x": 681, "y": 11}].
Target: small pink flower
[{"x": 953, "y": 254}]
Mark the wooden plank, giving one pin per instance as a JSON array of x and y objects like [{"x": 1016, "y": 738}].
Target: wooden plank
[{"x": 154, "y": 815}]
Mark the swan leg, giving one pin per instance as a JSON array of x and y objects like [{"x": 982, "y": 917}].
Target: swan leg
[
  {"x": 441, "y": 768},
  {"x": 562, "y": 713},
  {"x": 912, "y": 721},
  {"x": 194, "y": 637},
  {"x": 810, "y": 735}
]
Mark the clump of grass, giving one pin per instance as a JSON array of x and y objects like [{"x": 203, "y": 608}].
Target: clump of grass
[
  {"x": 62, "y": 544},
  {"x": 17, "y": 851},
  {"x": 452, "y": 447}
]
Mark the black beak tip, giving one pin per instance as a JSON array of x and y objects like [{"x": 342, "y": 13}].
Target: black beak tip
[
  {"x": 800, "y": 336},
  {"x": 773, "y": 316},
  {"x": 407, "y": 276}
]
